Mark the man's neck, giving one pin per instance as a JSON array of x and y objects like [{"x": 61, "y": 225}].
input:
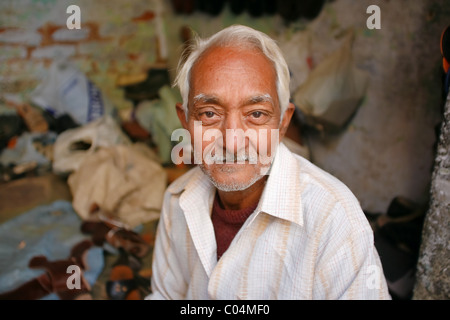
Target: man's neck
[{"x": 238, "y": 200}]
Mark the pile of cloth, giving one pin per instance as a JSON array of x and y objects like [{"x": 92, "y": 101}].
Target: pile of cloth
[{"x": 67, "y": 128}]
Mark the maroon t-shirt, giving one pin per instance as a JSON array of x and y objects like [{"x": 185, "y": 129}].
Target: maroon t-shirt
[{"x": 227, "y": 223}]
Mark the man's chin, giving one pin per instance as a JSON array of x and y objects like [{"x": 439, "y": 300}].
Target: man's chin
[{"x": 232, "y": 177}]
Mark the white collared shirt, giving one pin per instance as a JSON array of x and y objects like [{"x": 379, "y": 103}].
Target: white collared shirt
[{"x": 307, "y": 239}]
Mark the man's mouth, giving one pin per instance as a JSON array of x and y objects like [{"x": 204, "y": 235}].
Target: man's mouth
[{"x": 231, "y": 159}]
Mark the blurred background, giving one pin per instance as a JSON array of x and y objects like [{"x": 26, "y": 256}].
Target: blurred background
[{"x": 370, "y": 102}]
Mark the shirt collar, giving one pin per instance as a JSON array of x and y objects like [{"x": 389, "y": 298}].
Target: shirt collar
[
  {"x": 282, "y": 195},
  {"x": 196, "y": 202}
]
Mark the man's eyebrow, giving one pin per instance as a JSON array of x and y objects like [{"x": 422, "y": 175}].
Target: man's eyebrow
[
  {"x": 263, "y": 98},
  {"x": 205, "y": 98}
]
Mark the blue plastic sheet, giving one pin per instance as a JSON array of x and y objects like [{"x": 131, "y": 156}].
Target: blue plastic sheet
[{"x": 50, "y": 230}]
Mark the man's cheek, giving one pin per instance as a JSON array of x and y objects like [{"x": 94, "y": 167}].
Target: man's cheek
[{"x": 268, "y": 140}]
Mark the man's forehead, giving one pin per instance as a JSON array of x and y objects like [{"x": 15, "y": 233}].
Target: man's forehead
[
  {"x": 217, "y": 56},
  {"x": 230, "y": 75},
  {"x": 242, "y": 49}
]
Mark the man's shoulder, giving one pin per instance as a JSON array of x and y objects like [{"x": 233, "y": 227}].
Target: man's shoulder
[
  {"x": 323, "y": 191},
  {"x": 322, "y": 179}
]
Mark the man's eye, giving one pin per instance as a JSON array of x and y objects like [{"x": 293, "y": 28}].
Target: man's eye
[
  {"x": 208, "y": 117},
  {"x": 257, "y": 114}
]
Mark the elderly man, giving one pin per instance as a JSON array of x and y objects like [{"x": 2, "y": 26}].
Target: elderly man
[{"x": 253, "y": 220}]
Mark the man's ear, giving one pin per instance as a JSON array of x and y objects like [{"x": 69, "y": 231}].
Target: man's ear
[
  {"x": 181, "y": 115},
  {"x": 286, "y": 119}
]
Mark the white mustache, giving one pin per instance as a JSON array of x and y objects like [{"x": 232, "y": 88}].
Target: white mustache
[
  {"x": 228, "y": 157},
  {"x": 232, "y": 158}
]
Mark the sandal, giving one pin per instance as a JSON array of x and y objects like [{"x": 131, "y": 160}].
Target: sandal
[
  {"x": 55, "y": 280},
  {"x": 118, "y": 237},
  {"x": 125, "y": 281},
  {"x": 122, "y": 285}
]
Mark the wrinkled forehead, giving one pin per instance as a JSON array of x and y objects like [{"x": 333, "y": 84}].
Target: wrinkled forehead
[
  {"x": 216, "y": 56},
  {"x": 237, "y": 63}
]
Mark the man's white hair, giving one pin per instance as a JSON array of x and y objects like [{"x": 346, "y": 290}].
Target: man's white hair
[{"x": 241, "y": 37}]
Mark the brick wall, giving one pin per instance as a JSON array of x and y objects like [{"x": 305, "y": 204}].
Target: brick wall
[{"x": 117, "y": 41}]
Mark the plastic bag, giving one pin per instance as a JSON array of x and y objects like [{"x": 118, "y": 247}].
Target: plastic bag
[
  {"x": 333, "y": 90},
  {"x": 67, "y": 90},
  {"x": 30, "y": 147},
  {"x": 159, "y": 117},
  {"x": 122, "y": 183},
  {"x": 297, "y": 52},
  {"x": 73, "y": 145}
]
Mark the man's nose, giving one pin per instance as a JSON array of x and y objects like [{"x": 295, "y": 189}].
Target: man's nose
[{"x": 233, "y": 131}]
